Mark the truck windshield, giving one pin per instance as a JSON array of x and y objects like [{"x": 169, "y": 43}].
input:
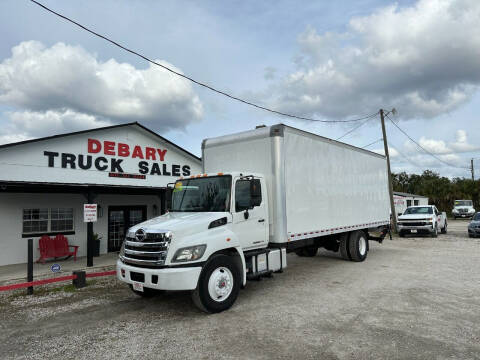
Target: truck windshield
[
  {"x": 463, "y": 202},
  {"x": 418, "y": 210},
  {"x": 206, "y": 194}
]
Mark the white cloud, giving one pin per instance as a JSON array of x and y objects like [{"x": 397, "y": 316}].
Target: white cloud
[
  {"x": 422, "y": 60},
  {"x": 440, "y": 147},
  {"x": 23, "y": 125},
  {"x": 62, "y": 77},
  {"x": 392, "y": 152}
]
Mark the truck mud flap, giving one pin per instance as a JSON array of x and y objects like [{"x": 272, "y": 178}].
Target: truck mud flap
[{"x": 383, "y": 230}]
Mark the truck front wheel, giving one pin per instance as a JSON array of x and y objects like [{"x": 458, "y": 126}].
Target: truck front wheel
[
  {"x": 358, "y": 246},
  {"x": 434, "y": 233},
  {"x": 218, "y": 285}
]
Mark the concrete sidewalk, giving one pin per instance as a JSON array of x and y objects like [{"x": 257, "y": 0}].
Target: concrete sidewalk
[{"x": 18, "y": 272}]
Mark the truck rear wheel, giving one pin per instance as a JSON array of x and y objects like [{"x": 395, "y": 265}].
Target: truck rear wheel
[
  {"x": 344, "y": 252},
  {"x": 218, "y": 285},
  {"x": 358, "y": 246}
]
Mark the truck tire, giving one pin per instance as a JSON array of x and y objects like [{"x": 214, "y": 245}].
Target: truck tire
[
  {"x": 344, "y": 252},
  {"x": 218, "y": 285},
  {"x": 434, "y": 234},
  {"x": 444, "y": 229},
  {"x": 401, "y": 233},
  {"x": 147, "y": 292},
  {"x": 358, "y": 246}
]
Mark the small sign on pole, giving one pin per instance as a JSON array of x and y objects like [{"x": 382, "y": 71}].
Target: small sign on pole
[
  {"x": 89, "y": 213},
  {"x": 55, "y": 268}
]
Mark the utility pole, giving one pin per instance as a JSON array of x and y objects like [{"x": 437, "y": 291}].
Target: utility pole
[
  {"x": 471, "y": 168},
  {"x": 390, "y": 186}
]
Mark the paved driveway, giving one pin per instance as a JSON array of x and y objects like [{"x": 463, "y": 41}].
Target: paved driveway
[{"x": 413, "y": 298}]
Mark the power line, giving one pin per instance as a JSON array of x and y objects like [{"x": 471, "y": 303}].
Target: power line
[
  {"x": 404, "y": 156},
  {"x": 193, "y": 80},
  {"x": 421, "y": 147},
  {"x": 376, "y": 141},
  {"x": 356, "y": 127}
]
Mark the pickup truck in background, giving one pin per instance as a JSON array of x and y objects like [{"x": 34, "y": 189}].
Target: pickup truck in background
[
  {"x": 463, "y": 209},
  {"x": 424, "y": 219}
]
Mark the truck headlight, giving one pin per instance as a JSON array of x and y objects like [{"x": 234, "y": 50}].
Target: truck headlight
[{"x": 190, "y": 253}]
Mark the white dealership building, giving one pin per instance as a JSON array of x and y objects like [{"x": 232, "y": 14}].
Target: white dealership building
[{"x": 44, "y": 184}]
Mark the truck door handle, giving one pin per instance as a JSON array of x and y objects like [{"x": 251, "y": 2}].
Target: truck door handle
[{"x": 261, "y": 220}]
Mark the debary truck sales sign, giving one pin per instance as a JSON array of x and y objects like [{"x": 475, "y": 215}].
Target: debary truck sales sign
[{"x": 127, "y": 155}]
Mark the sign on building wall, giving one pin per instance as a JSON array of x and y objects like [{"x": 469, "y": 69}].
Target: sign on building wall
[
  {"x": 125, "y": 155},
  {"x": 89, "y": 212}
]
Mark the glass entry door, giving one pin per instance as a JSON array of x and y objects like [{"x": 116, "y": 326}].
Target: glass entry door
[{"x": 120, "y": 219}]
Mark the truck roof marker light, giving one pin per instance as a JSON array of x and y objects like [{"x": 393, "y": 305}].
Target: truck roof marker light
[
  {"x": 204, "y": 175},
  {"x": 228, "y": 239},
  {"x": 191, "y": 177},
  {"x": 220, "y": 174}
]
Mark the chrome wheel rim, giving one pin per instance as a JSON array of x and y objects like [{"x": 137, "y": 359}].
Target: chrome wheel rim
[
  {"x": 362, "y": 246},
  {"x": 220, "y": 284}
]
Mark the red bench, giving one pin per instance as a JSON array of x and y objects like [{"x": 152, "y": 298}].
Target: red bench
[{"x": 55, "y": 247}]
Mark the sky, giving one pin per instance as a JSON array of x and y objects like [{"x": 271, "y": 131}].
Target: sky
[{"x": 320, "y": 59}]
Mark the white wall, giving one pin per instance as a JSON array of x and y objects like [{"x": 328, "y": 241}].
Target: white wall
[{"x": 14, "y": 247}]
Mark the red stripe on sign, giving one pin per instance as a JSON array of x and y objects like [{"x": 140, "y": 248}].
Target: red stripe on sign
[
  {"x": 105, "y": 273},
  {"x": 37, "y": 282}
]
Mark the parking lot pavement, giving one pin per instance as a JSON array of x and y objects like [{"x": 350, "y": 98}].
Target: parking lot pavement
[{"x": 413, "y": 298}]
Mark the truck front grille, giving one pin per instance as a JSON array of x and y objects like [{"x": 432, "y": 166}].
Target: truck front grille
[
  {"x": 151, "y": 252},
  {"x": 462, "y": 210},
  {"x": 417, "y": 223}
]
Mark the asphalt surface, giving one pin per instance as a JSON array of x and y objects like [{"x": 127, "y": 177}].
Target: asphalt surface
[{"x": 413, "y": 298}]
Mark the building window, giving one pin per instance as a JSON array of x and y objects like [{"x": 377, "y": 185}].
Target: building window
[
  {"x": 47, "y": 220},
  {"x": 35, "y": 220},
  {"x": 415, "y": 202},
  {"x": 409, "y": 203},
  {"x": 61, "y": 219}
]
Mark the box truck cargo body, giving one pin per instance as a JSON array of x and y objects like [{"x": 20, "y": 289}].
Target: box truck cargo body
[
  {"x": 262, "y": 193},
  {"x": 316, "y": 186}
]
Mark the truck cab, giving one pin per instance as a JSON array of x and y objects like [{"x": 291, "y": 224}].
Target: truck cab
[{"x": 221, "y": 216}]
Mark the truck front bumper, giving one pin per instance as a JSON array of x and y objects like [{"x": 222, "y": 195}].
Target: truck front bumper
[
  {"x": 424, "y": 229},
  {"x": 174, "y": 278},
  {"x": 463, "y": 215}
]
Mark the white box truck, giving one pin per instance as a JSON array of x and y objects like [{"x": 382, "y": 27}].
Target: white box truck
[{"x": 263, "y": 193}]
